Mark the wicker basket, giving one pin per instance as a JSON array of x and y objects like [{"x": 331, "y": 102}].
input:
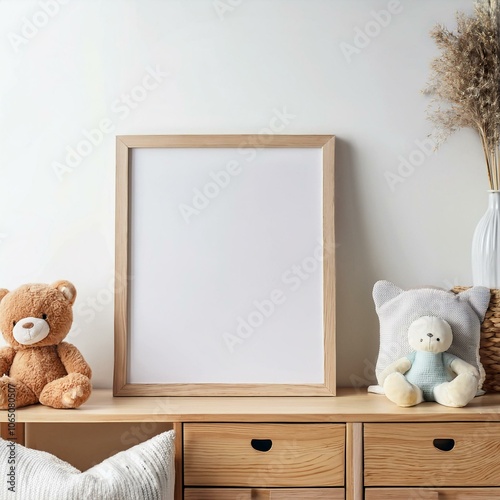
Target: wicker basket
[{"x": 489, "y": 349}]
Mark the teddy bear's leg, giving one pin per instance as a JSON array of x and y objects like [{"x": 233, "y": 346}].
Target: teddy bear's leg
[
  {"x": 70, "y": 391},
  {"x": 13, "y": 391},
  {"x": 400, "y": 391},
  {"x": 459, "y": 392}
]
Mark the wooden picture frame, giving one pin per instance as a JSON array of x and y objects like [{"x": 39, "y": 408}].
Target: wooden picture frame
[{"x": 290, "y": 180}]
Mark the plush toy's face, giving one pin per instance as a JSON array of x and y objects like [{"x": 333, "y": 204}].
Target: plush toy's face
[
  {"x": 430, "y": 334},
  {"x": 37, "y": 315}
]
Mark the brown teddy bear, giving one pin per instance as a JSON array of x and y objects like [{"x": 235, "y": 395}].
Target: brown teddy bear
[{"x": 38, "y": 366}]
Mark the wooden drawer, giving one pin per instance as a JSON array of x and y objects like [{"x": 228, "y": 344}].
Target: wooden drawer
[
  {"x": 432, "y": 494},
  {"x": 264, "y": 494},
  {"x": 419, "y": 454},
  {"x": 300, "y": 455}
]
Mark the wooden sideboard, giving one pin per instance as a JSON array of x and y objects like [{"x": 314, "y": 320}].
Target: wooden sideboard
[{"x": 353, "y": 446}]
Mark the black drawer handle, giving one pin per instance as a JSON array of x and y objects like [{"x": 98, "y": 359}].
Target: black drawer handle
[
  {"x": 261, "y": 444},
  {"x": 444, "y": 444}
]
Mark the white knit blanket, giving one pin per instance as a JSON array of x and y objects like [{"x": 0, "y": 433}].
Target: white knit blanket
[{"x": 143, "y": 472}]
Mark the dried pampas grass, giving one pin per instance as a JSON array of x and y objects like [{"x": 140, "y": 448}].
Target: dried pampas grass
[{"x": 465, "y": 81}]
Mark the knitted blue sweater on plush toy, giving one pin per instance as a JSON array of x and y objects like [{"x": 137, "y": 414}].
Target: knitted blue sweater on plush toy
[{"x": 429, "y": 369}]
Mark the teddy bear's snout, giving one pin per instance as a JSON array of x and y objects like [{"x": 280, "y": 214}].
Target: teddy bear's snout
[
  {"x": 30, "y": 330},
  {"x": 430, "y": 335}
]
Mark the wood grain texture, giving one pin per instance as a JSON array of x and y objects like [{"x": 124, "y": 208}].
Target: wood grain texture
[
  {"x": 354, "y": 461},
  {"x": 404, "y": 454},
  {"x": 225, "y": 390},
  {"x": 121, "y": 266},
  {"x": 263, "y": 494},
  {"x": 329, "y": 317},
  {"x": 302, "y": 455},
  {"x": 224, "y": 141},
  {"x": 432, "y": 493},
  {"x": 179, "y": 461},
  {"x": 349, "y": 406}
]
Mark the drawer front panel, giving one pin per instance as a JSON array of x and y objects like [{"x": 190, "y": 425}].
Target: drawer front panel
[
  {"x": 428, "y": 454},
  {"x": 298, "y": 455},
  {"x": 432, "y": 494},
  {"x": 264, "y": 494}
]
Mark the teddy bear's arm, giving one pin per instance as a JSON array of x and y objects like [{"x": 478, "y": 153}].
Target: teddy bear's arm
[
  {"x": 73, "y": 360},
  {"x": 6, "y": 358},
  {"x": 402, "y": 365}
]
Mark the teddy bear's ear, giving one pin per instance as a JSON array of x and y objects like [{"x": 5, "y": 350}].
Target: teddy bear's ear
[
  {"x": 3, "y": 293},
  {"x": 67, "y": 289},
  {"x": 478, "y": 298},
  {"x": 383, "y": 291}
]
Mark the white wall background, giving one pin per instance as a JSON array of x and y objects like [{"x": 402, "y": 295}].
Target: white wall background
[{"x": 229, "y": 66}]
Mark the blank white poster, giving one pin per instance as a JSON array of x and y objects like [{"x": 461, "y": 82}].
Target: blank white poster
[{"x": 226, "y": 269}]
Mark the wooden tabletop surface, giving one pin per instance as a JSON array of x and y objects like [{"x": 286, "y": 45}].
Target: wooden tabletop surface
[{"x": 349, "y": 405}]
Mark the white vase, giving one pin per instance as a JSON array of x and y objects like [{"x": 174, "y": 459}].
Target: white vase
[{"x": 486, "y": 245}]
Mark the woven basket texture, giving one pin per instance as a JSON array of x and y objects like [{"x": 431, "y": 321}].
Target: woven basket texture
[{"x": 489, "y": 349}]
